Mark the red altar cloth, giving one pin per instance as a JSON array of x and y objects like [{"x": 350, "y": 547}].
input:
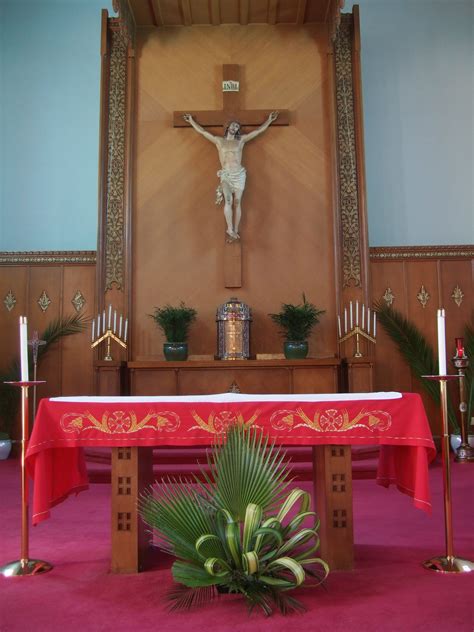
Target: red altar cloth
[{"x": 396, "y": 422}]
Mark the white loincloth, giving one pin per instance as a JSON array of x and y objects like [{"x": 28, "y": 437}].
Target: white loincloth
[{"x": 234, "y": 179}]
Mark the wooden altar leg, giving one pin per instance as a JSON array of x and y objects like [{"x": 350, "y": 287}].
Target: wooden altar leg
[
  {"x": 132, "y": 472},
  {"x": 332, "y": 478}
]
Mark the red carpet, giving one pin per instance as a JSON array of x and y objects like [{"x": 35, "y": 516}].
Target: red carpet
[{"x": 388, "y": 590}]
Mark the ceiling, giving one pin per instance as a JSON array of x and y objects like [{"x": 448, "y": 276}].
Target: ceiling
[{"x": 214, "y": 12}]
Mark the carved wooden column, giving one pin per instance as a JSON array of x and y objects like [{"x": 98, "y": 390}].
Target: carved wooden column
[
  {"x": 353, "y": 251},
  {"x": 116, "y": 135},
  {"x": 131, "y": 467}
]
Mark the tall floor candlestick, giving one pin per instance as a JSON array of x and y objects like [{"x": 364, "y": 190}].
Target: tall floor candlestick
[
  {"x": 448, "y": 563},
  {"x": 25, "y": 565}
]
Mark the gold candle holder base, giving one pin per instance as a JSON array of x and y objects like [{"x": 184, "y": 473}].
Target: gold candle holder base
[
  {"x": 450, "y": 564},
  {"x": 20, "y": 568}
]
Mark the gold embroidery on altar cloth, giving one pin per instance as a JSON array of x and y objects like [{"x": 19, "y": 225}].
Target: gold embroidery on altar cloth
[
  {"x": 217, "y": 423},
  {"x": 120, "y": 422},
  {"x": 331, "y": 420}
]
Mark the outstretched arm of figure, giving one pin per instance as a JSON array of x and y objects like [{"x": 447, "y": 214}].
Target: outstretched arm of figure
[
  {"x": 272, "y": 117},
  {"x": 189, "y": 119}
]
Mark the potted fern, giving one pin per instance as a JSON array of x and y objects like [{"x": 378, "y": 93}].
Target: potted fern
[
  {"x": 175, "y": 323},
  {"x": 234, "y": 532},
  {"x": 296, "y": 323}
]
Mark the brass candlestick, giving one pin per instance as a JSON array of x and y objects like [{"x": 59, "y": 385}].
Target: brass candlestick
[
  {"x": 448, "y": 563},
  {"x": 25, "y": 565},
  {"x": 465, "y": 453}
]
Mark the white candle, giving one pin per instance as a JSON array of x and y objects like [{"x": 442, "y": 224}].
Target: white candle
[
  {"x": 109, "y": 321},
  {"x": 120, "y": 326},
  {"x": 93, "y": 330},
  {"x": 375, "y": 325},
  {"x": 368, "y": 320},
  {"x": 339, "y": 326},
  {"x": 125, "y": 330},
  {"x": 103, "y": 322},
  {"x": 345, "y": 320},
  {"x": 357, "y": 313},
  {"x": 98, "y": 325},
  {"x": 363, "y": 316},
  {"x": 350, "y": 310},
  {"x": 24, "y": 348},
  {"x": 115, "y": 321},
  {"x": 441, "y": 342}
]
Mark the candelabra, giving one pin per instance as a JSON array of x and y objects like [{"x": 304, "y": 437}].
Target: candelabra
[
  {"x": 365, "y": 326},
  {"x": 109, "y": 333},
  {"x": 465, "y": 453}
]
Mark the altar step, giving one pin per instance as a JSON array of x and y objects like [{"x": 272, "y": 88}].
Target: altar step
[{"x": 182, "y": 462}]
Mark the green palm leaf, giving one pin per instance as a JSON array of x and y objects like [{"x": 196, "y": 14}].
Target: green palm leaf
[
  {"x": 416, "y": 351},
  {"x": 9, "y": 396},
  {"x": 180, "y": 516},
  {"x": 469, "y": 372},
  {"x": 245, "y": 470}
]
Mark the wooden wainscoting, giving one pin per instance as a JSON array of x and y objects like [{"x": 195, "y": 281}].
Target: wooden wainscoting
[
  {"x": 418, "y": 281},
  {"x": 44, "y": 286}
]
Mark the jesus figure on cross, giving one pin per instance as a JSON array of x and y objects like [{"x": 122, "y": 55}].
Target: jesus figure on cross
[{"x": 233, "y": 174}]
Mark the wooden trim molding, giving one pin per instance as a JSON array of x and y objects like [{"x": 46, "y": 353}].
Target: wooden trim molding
[
  {"x": 415, "y": 253},
  {"x": 45, "y": 257}
]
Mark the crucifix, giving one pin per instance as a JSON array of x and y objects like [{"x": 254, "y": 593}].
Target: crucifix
[{"x": 230, "y": 146}]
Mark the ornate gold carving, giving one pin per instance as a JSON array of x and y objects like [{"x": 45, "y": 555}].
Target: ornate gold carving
[
  {"x": 348, "y": 190},
  {"x": 422, "y": 252},
  {"x": 44, "y": 301},
  {"x": 78, "y": 301},
  {"x": 216, "y": 424},
  {"x": 423, "y": 296},
  {"x": 331, "y": 420},
  {"x": 457, "y": 295},
  {"x": 9, "y": 301},
  {"x": 79, "y": 257},
  {"x": 114, "y": 231},
  {"x": 234, "y": 388},
  {"x": 388, "y": 297},
  {"x": 120, "y": 422}
]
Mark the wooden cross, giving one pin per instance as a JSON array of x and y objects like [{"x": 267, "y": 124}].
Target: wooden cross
[
  {"x": 231, "y": 108},
  {"x": 231, "y": 111}
]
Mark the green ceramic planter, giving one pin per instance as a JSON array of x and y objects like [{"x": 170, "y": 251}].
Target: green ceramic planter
[
  {"x": 175, "y": 351},
  {"x": 295, "y": 349}
]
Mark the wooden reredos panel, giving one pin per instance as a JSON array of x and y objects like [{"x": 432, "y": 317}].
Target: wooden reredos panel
[{"x": 288, "y": 209}]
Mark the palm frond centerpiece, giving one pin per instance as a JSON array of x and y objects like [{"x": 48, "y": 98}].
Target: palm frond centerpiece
[{"x": 233, "y": 532}]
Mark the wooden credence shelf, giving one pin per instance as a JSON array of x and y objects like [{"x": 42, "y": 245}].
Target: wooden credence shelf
[{"x": 219, "y": 376}]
